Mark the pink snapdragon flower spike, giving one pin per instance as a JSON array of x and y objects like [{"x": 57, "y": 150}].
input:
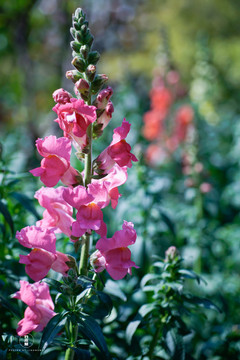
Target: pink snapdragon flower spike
[
  {"x": 115, "y": 252},
  {"x": 44, "y": 256},
  {"x": 118, "y": 152},
  {"x": 56, "y": 163},
  {"x": 74, "y": 117},
  {"x": 58, "y": 213},
  {"x": 40, "y": 307}
]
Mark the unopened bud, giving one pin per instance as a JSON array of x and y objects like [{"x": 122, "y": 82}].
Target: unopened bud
[
  {"x": 171, "y": 254},
  {"x": 61, "y": 96},
  {"x": 79, "y": 13},
  {"x": 79, "y": 63},
  {"x": 98, "y": 82},
  {"x": 90, "y": 72},
  {"x": 93, "y": 57},
  {"x": 82, "y": 87},
  {"x": 73, "y": 75},
  {"x": 75, "y": 46},
  {"x": 103, "y": 97},
  {"x": 84, "y": 50},
  {"x": 80, "y": 37}
]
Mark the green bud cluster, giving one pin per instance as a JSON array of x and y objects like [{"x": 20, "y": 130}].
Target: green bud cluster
[{"x": 84, "y": 59}]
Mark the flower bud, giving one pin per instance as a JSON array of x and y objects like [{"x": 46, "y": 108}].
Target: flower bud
[
  {"x": 103, "y": 97},
  {"x": 79, "y": 63},
  {"x": 79, "y": 13},
  {"x": 98, "y": 82},
  {"x": 98, "y": 261},
  {"x": 73, "y": 75},
  {"x": 84, "y": 50},
  {"x": 72, "y": 32},
  {"x": 93, "y": 57},
  {"x": 61, "y": 96},
  {"x": 80, "y": 37},
  {"x": 171, "y": 254},
  {"x": 75, "y": 46},
  {"x": 82, "y": 87},
  {"x": 90, "y": 72}
]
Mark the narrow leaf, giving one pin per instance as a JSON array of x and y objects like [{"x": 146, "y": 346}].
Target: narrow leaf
[
  {"x": 82, "y": 354},
  {"x": 53, "y": 327},
  {"x": 133, "y": 325},
  {"x": 7, "y": 215},
  {"x": 91, "y": 329}
]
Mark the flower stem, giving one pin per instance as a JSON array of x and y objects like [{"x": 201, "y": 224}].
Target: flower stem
[{"x": 154, "y": 342}]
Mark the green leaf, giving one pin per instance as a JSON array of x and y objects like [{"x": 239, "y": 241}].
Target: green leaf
[
  {"x": 133, "y": 325},
  {"x": 7, "y": 216},
  {"x": 207, "y": 304},
  {"x": 26, "y": 203},
  {"x": 191, "y": 275},
  {"x": 53, "y": 327},
  {"x": 106, "y": 301},
  {"x": 147, "y": 278},
  {"x": 91, "y": 329},
  {"x": 175, "y": 345},
  {"x": 112, "y": 288},
  {"x": 56, "y": 285},
  {"x": 6, "y": 303},
  {"x": 82, "y": 354}
]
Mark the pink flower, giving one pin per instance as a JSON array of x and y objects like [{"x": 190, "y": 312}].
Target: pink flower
[
  {"x": 74, "y": 117},
  {"x": 56, "y": 163},
  {"x": 58, "y": 213},
  {"x": 38, "y": 263},
  {"x": 36, "y": 237},
  {"x": 115, "y": 252},
  {"x": 40, "y": 307},
  {"x": 44, "y": 256},
  {"x": 118, "y": 151},
  {"x": 89, "y": 204},
  {"x": 117, "y": 176}
]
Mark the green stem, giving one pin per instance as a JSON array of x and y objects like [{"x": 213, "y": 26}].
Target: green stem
[
  {"x": 154, "y": 342},
  {"x": 69, "y": 355},
  {"x": 83, "y": 265}
]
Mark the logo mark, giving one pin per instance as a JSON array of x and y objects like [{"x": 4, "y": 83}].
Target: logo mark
[{"x": 26, "y": 341}]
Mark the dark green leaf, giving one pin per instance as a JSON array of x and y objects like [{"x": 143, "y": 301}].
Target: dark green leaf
[
  {"x": 7, "y": 215},
  {"x": 106, "y": 301},
  {"x": 56, "y": 285},
  {"x": 6, "y": 303},
  {"x": 191, "y": 275},
  {"x": 82, "y": 354},
  {"x": 91, "y": 329},
  {"x": 53, "y": 327},
  {"x": 207, "y": 304},
  {"x": 26, "y": 203}
]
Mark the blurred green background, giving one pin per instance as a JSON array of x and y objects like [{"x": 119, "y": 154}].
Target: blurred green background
[{"x": 201, "y": 40}]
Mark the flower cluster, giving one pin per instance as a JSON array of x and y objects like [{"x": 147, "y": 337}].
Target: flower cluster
[
  {"x": 166, "y": 129},
  {"x": 82, "y": 119}
]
